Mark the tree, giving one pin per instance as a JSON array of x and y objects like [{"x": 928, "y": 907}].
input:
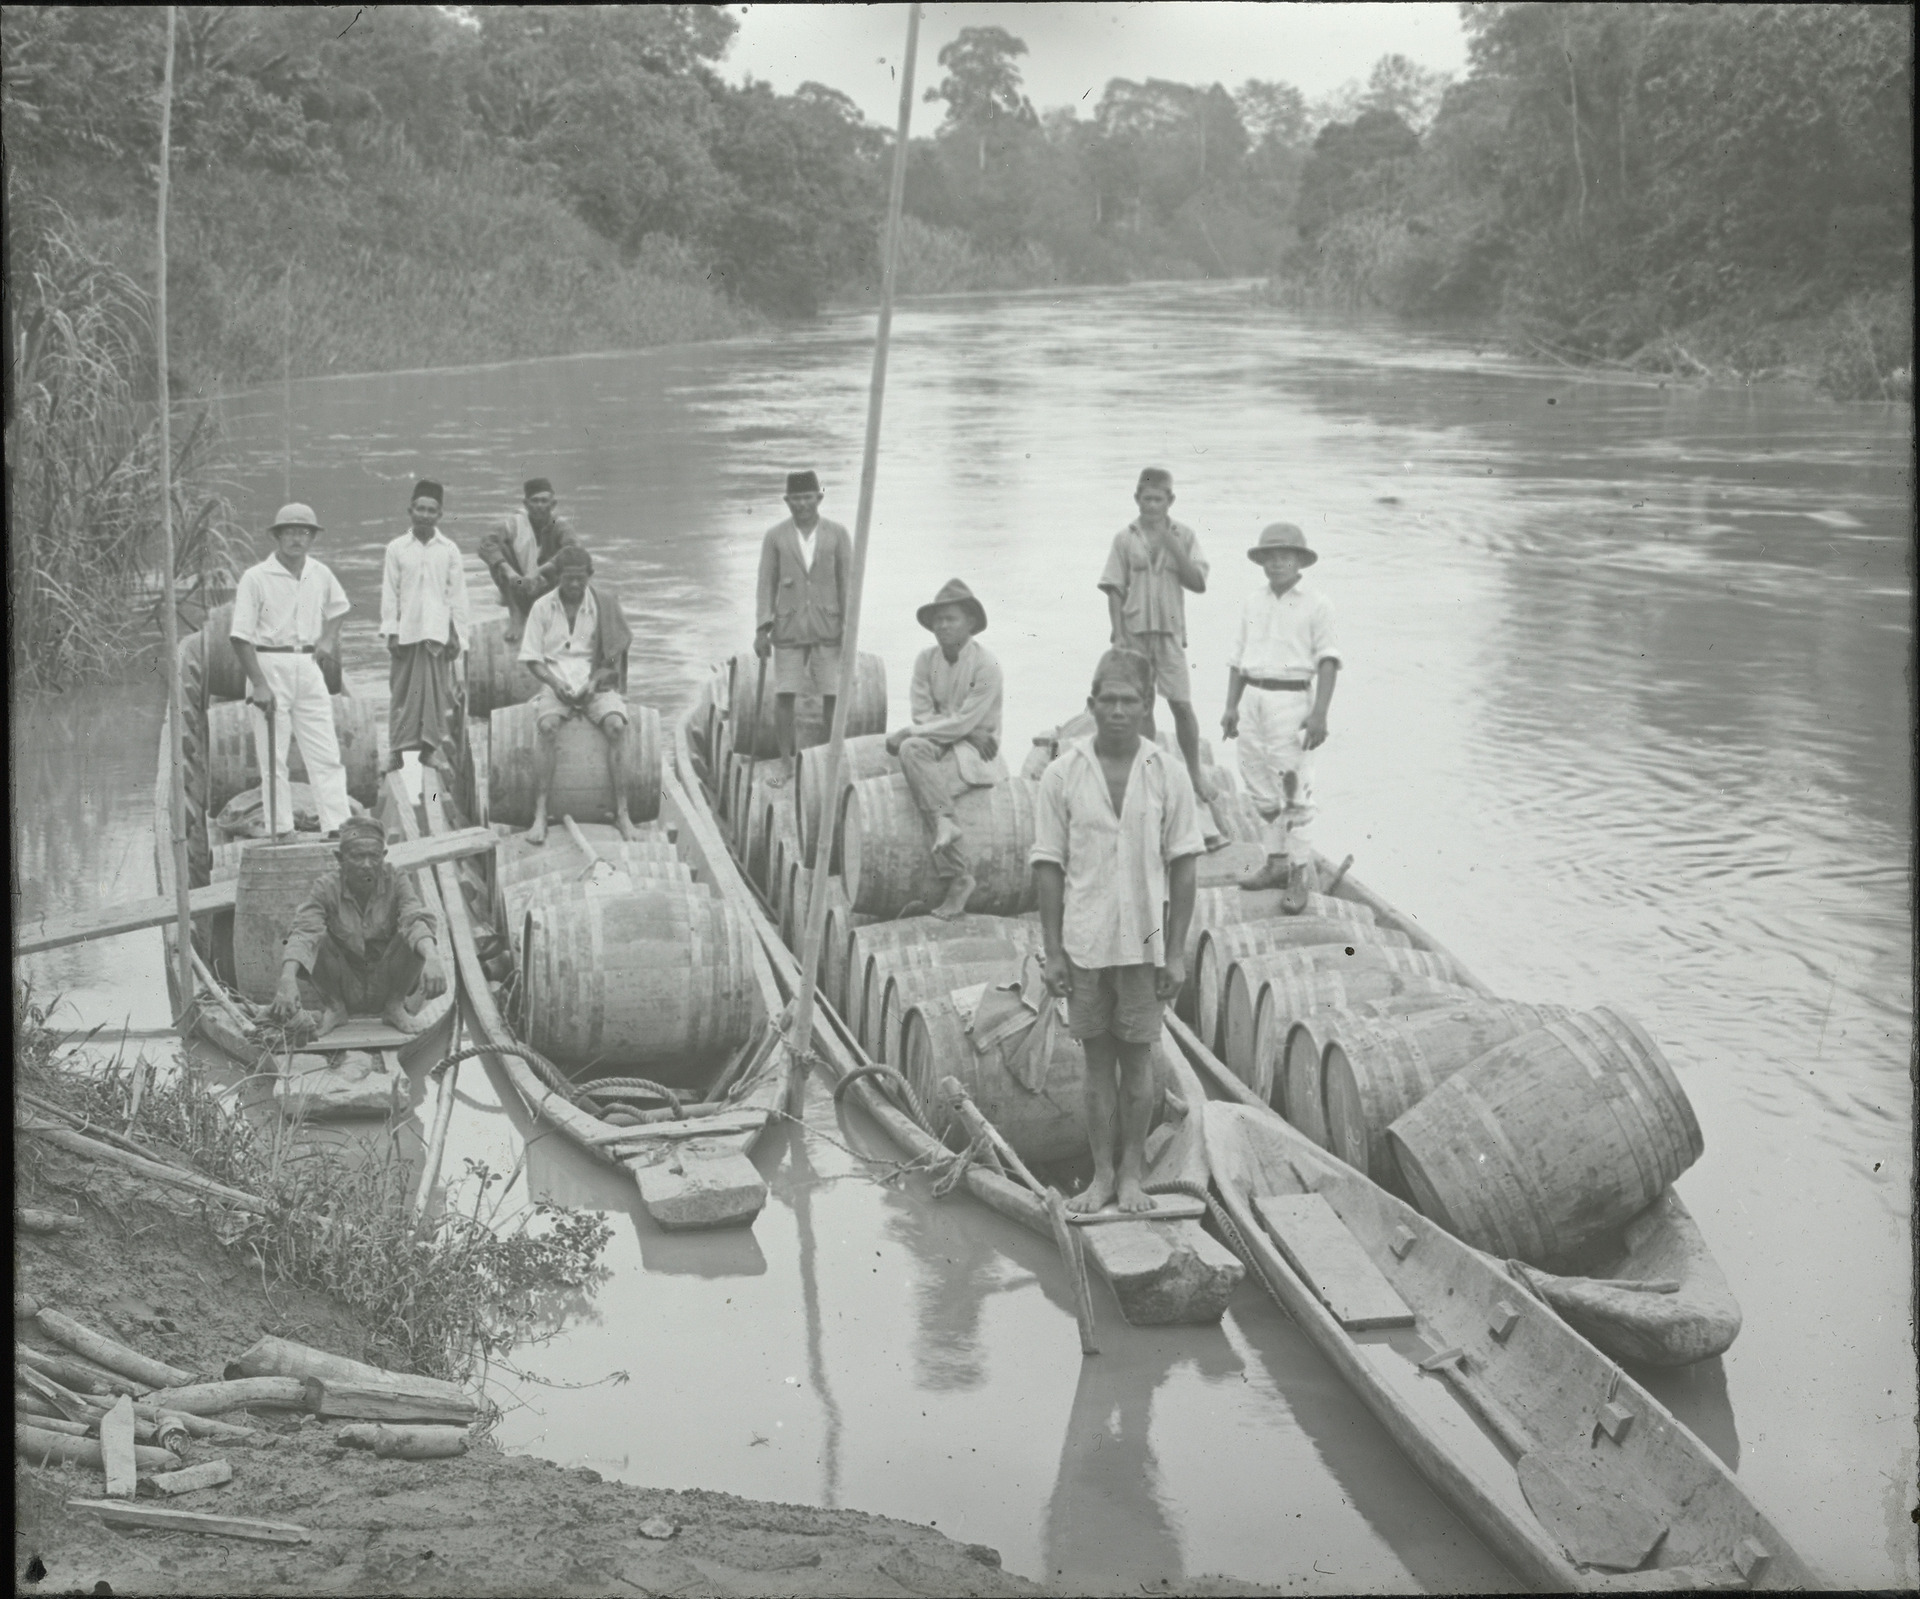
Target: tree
[
  {"x": 982, "y": 85},
  {"x": 1272, "y": 112},
  {"x": 1405, "y": 88}
]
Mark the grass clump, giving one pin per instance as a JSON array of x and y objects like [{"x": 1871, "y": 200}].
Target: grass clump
[{"x": 443, "y": 1299}]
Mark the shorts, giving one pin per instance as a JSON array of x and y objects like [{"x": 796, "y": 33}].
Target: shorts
[
  {"x": 806, "y": 669},
  {"x": 1116, "y": 1000},
  {"x": 549, "y": 712},
  {"x": 1169, "y": 657}
]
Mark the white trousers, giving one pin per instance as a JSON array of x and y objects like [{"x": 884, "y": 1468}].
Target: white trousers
[
  {"x": 1276, "y": 767},
  {"x": 304, "y": 710}
]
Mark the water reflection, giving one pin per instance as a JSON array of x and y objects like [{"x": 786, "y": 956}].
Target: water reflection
[{"x": 797, "y": 1188}]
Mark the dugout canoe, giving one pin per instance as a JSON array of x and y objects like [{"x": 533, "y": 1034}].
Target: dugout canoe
[
  {"x": 1162, "y": 1272},
  {"x": 1575, "y": 1475}
]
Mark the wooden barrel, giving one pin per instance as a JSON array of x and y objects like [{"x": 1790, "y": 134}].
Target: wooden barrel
[
  {"x": 887, "y": 856},
  {"x": 226, "y": 679},
  {"x": 516, "y": 861},
  {"x": 796, "y": 883},
  {"x": 867, "y": 714},
  {"x": 905, "y": 989},
  {"x": 878, "y": 939},
  {"x": 274, "y": 881},
  {"x": 1219, "y": 947},
  {"x": 1047, "y": 1125},
  {"x": 516, "y": 899},
  {"x": 836, "y": 950},
  {"x": 1270, "y": 994},
  {"x": 1236, "y": 907},
  {"x": 1549, "y": 1141},
  {"x": 659, "y": 976},
  {"x": 734, "y": 788},
  {"x": 914, "y": 961},
  {"x": 770, "y": 820},
  {"x": 232, "y": 766},
  {"x": 1376, "y": 1068},
  {"x": 495, "y": 677},
  {"x": 865, "y": 757},
  {"x": 582, "y": 786}
]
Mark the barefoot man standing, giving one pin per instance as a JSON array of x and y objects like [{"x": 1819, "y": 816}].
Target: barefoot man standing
[
  {"x": 576, "y": 645},
  {"x": 954, "y": 742},
  {"x": 364, "y": 939},
  {"x": 1116, "y": 832},
  {"x": 805, "y": 565},
  {"x": 423, "y": 613}
]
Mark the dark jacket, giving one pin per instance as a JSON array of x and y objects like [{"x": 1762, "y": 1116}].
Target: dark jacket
[{"x": 805, "y": 606}]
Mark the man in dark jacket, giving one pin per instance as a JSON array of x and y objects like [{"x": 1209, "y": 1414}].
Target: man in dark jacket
[
  {"x": 806, "y": 567},
  {"x": 522, "y": 552}
]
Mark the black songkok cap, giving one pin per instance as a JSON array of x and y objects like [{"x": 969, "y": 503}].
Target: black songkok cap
[
  {"x": 536, "y": 485},
  {"x": 802, "y": 483},
  {"x": 1130, "y": 666},
  {"x": 432, "y": 490}
]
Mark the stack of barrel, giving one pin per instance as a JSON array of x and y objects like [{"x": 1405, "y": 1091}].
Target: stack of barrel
[
  {"x": 625, "y": 960},
  {"x": 1530, "y": 1131}
]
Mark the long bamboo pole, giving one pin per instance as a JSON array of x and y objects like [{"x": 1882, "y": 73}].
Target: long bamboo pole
[
  {"x": 816, "y": 925},
  {"x": 169, "y": 621}
]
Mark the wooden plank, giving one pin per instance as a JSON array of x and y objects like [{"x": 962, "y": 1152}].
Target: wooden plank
[
  {"x": 1318, "y": 1246},
  {"x": 116, "y": 1449},
  {"x": 722, "y": 1188},
  {"x": 55, "y": 932},
  {"x": 210, "y": 1474},
  {"x": 157, "y": 1519},
  {"x": 716, "y": 1126},
  {"x": 1166, "y": 1207},
  {"x": 393, "y": 1398}
]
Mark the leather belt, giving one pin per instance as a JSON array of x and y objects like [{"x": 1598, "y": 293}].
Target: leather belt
[
  {"x": 283, "y": 649},
  {"x": 1280, "y": 685}
]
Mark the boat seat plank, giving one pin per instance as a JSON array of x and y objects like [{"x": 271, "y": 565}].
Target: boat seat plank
[
  {"x": 1318, "y": 1246},
  {"x": 359, "y": 1032}
]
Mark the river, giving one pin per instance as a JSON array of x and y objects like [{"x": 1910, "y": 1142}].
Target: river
[{"x": 1624, "y": 717}]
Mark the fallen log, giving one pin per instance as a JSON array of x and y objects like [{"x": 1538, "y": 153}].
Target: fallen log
[
  {"x": 209, "y": 1474},
  {"x": 111, "y": 1353},
  {"x": 57, "y": 1398},
  {"x": 47, "y": 1448},
  {"x": 93, "y": 1149},
  {"x": 29, "y": 1220},
  {"x": 115, "y": 1514},
  {"x": 212, "y": 1398},
  {"x": 55, "y": 932},
  {"x": 406, "y": 1443},
  {"x": 282, "y": 1357},
  {"x": 81, "y": 1378},
  {"x": 25, "y": 1307},
  {"x": 116, "y": 1449},
  {"x": 403, "y": 1399}
]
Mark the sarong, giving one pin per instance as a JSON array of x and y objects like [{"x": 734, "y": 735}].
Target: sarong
[{"x": 425, "y": 700}]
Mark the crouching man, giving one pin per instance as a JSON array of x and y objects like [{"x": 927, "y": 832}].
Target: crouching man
[
  {"x": 954, "y": 742},
  {"x": 1116, "y": 832},
  {"x": 363, "y": 938},
  {"x": 576, "y": 644}
]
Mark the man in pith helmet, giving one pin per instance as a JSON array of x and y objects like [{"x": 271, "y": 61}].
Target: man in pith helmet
[
  {"x": 806, "y": 566},
  {"x": 287, "y": 615},
  {"x": 1280, "y": 680},
  {"x": 954, "y": 742},
  {"x": 424, "y": 617}
]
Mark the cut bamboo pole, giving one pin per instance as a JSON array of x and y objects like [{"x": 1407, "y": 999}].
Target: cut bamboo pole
[
  {"x": 437, "y": 1145},
  {"x": 801, "y": 1043}
]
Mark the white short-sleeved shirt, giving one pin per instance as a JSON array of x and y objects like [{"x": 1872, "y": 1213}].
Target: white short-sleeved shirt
[
  {"x": 1284, "y": 635},
  {"x": 568, "y": 650},
  {"x": 1116, "y": 866},
  {"x": 273, "y": 607},
  {"x": 423, "y": 591}
]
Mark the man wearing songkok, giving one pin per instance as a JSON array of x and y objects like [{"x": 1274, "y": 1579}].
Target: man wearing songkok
[
  {"x": 1280, "y": 680},
  {"x": 287, "y": 615},
  {"x": 1154, "y": 561},
  {"x": 954, "y": 742},
  {"x": 1116, "y": 832},
  {"x": 363, "y": 938},
  {"x": 423, "y": 614},
  {"x": 806, "y": 563},
  {"x": 576, "y": 645},
  {"x": 520, "y": 552}
]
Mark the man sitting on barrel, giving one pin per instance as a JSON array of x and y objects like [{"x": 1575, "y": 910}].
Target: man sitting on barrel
[
  {"x": 363, "y": 938},
  {"x": 954, "y": 742},
  {"x": 1115, "y": 834},
  {"x": 576, "y": 645}
]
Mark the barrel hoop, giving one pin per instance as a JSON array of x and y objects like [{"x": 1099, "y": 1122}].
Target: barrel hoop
[
  {"x": 1516, "y": 1180},
  {"x": 1621, "y": 1087}
]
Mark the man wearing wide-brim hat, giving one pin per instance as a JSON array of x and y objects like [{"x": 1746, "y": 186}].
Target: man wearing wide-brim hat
[
  {"x": 954, "y": 742},
  {"x": 1280, "y": 679},
  {"x": 287, "y": 615}
]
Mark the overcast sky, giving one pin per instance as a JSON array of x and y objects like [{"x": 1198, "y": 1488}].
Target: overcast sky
[{"x": 1072, "y": 50}]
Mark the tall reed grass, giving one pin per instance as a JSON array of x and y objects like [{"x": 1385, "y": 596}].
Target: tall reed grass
[
  {"x": 84, "y": 538},
  {"x": 442, "y": 1299}
]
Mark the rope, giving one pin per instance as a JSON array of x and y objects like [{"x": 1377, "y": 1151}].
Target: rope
[
  {"x": 632, "y": 1088},
  {"x": 888, "y": 1078},
  {"x": 1216, "y": 1213}
]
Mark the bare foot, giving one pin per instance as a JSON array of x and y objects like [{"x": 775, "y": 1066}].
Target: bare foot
[
  {"x": 779, "y": 777},
  {"x": 1097, "y": 1195},
  {"x": 946, "y": 833},
  {"x": 914, "y": 907},
  {"x": 330, "y": 1018},
  {"x": 537, "y": 834},
  {"x": 954, "y": 906},
  {"x": 628, "y": 831},
  {"x": 400, "y": 1019},
  {"x": 1134, "y": 1198}
]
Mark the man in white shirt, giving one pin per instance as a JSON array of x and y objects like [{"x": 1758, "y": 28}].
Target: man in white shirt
[
  {"x": 576, "y": 643},
  {"x": 1115, "y": 836},
  {"x": 1280, "y": 680},
  {"x": 423, "y": 615},
  {"x": 287, "y": 615}
]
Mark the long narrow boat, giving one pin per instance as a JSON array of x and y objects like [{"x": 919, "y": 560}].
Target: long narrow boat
[
  {"x": 1162, "y": 1272},
  {"x": 1574, "y": 1474}
]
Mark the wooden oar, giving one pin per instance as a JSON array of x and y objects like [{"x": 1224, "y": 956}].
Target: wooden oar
[{"x": 599, "y": 868}]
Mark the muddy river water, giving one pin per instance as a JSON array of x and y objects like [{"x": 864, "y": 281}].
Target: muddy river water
[{"x": 1625, "y": 717}]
